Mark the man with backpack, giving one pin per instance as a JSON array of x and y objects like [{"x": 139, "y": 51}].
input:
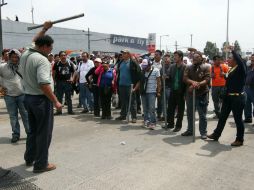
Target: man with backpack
[{"x": 150, "y": 88}]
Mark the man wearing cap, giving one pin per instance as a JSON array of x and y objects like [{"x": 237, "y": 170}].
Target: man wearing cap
[
  {"x": 197, "y": 77},
  {"x": 128, "y": 74},
  {"x": 150, "y": 88},
  {"x": 12, "y": 89}
]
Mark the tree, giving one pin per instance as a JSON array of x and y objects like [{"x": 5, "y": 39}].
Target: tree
[
  {"x": 211, "y": 50},
  {"x": 223, "y": 50},
  {"x": 237, "y": 47}
]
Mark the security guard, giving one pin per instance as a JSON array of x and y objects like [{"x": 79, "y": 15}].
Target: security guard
[{"x": 234, "y": 98}]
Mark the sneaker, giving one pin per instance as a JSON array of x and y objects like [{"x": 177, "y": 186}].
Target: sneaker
[
  {"x": 134, "y": 120},
  {"x": 186, "y": 134},
  {"x": 237, "y": 143},
  {"x": 120, "y": 118},
  {"x": 203, "y": 137},
  {"x": 139, "y": 111},
  {"x": 146, "y": 123},
  {"x": 14, "y": 139},
  {"x": 151, "y": 126}
]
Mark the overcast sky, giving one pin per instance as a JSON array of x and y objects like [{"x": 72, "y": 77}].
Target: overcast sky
[{"x": 205, "y": 19}]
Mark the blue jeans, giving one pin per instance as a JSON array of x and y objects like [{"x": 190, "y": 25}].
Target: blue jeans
[
  {"x": 148, "y": 102},
  {"x": 86, "y": 97},
  {"x": 250, "y": 101},
  {"x": 14, "y": 105},
  {"x": 201, "y": 106}
]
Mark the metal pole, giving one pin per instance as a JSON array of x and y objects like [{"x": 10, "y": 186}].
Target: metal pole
[
  {"x": 194, "y": 114},
  {"x": 191, "y": 40},
  {"x": 89, "y": 43},
  {"x": 129, "y": 106},
  {"x": 164, "y": 92},
  {"x": 32, "y": 10},
  {"x": 227, "y": 38},
  {"x": 1, "y": 32},
  {"x": 160, "y": 42}
]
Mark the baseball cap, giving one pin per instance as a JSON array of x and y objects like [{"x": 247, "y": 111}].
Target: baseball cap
[
  {"x": 98, "y": 60},
  {"x": 125, "y": 51}
]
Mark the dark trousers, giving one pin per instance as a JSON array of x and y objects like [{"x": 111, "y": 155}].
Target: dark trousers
[
  {"x": 96, "y": 95},
  {"x": 124, "y": 92},
  {"x": 176, "y": 100},
  {"x": 105, "y": 96},
  {"x": 217, "y": 101},
  {"x": 236, "y": 105},
  {"x": 40, "y": 117},
  {"x": 159, "y": 106},
  {"x": 63, "y": 87}
]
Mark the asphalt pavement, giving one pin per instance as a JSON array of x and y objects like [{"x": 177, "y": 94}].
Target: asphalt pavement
[{"x": 95, "y": 154}]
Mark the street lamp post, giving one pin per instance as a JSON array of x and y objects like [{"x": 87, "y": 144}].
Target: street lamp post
[
  {"x": 227, "y": 38},
  {"x": 1, "y": 34},
  {"x": 191, "y": 40},
  {"x": 161, "y": 37}
]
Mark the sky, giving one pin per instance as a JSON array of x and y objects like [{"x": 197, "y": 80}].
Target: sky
[{"x": 205, "y": 19}]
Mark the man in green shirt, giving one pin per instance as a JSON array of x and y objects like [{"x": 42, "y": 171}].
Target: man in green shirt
[{"x": 176, "y": 97}]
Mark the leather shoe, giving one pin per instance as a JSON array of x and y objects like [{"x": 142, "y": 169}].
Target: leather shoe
[
  {"x": 49, "y": 167},
  {"x": 213, "y": 137},
  {"x": 237, "y": 143},
  {"x": 186, "y": 134}
]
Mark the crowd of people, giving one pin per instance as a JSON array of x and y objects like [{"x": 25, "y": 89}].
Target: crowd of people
[{"x": 160, "y": 86}]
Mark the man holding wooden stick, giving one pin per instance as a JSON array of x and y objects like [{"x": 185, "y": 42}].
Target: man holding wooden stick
[{"x": 39, "y": 100}]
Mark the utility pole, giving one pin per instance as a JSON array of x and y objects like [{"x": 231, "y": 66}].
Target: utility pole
[
  {"x": 227, "y": 38},
  {"x": 1, "y": 32},
  {"x": 191, "y": 40},
  {"x": 89, "y": 43},
  {"x": 176, "y": 45},
  {"x": 32, "y": 10}
]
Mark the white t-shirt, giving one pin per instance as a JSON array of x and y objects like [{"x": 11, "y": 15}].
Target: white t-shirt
[
  {"x": 83, "y": 69},
  {"x": 157, "y": 65},
  {"x": 152, "y": 80}
]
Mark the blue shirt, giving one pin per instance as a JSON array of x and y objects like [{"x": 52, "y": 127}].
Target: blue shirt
[
  {"x": 125, "y": 74},
  {"x": 106, "y": 79}
]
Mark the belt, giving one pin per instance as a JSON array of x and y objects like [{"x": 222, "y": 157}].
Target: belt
[{"x": 235, "y": 94}]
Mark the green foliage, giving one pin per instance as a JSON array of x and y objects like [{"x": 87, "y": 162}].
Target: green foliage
[{"x": 211, "y": 49}]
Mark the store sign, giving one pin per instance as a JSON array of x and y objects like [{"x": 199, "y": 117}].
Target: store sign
[{"x": 130, "y": 42}]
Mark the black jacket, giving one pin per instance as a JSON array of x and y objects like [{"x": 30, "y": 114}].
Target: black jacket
[
  {"x": 171, "y": 73},
  {"x": 135, "y": 72}
]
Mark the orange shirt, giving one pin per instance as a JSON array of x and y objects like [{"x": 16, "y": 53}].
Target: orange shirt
[{"x": 218, "y": 80}]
